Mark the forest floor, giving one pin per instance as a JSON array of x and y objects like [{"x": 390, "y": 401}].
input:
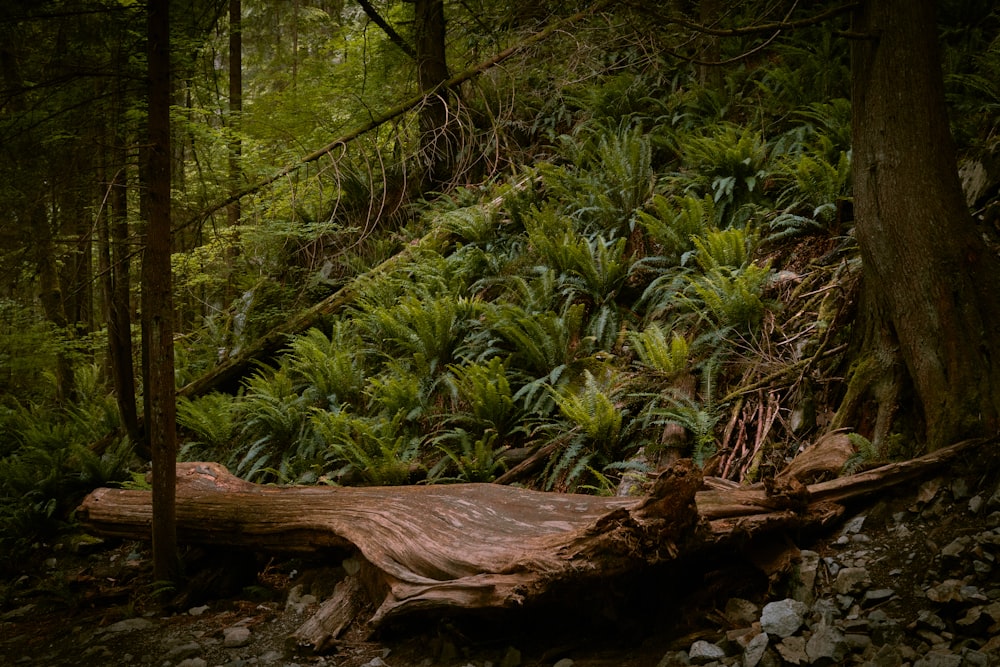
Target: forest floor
[{"x": 910, "y": 577}]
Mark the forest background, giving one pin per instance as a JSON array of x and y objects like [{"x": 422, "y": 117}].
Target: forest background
[{"x": 532, "y": 243}]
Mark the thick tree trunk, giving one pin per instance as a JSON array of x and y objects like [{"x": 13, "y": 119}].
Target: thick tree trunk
[
  {"x": 157, "y": 300},
  {"x": 477, "y": 546},
  {"x": 932, "y": 275}
]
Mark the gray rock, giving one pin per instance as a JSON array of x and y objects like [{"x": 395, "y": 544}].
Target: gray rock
[
  {"x": 272, "y": 656},
  {"x": 375, "y": 662},
  {"x": 703, "y": 652},
  {"x": 565, "y": 662},
  {"x": 235, "y": 637},
  {"x": 887, "y": 656},
  {"x": 851, "y": 579},
  {"x": 198, "y": 611},
  {"x": 130, "y": 625},
  {"x": 782, "y": 618},
  {"x": 826, "y": 645},
  {"x": 192, "y": 662},
  {"x": 804, "y": 579},
  {"x": 183, "y": 651},
  {"x": 939, "y": 659},
  {"x": 754, "y": 650},
  {"x": 876, "y": 596}
]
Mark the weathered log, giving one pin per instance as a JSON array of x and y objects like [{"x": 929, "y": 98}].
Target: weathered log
[
  {"x": 481, "y": 545},
  {"x": 464, "y": 545}
]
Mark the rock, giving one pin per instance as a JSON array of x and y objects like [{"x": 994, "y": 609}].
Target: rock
[
  {"x": 274, "y": 656},
  {"x": 939, "y": 659},
  {"x": 850, "y": 580},
  {"x": 793, "y": 650},
  {"x": 183, "y": 651},
  {"x": 235, "y": 637},
  {"x": 192, "y": 662},
  {"x": 754, "y": 650},
  {"x": 512, "y": 658},
  {"x": 130, "y": 624},
  {"x": 804, "y": 579},
  {"x": 674, "y": 659},
  {"x": 198, "y": 611},
  {"x": 826, "y": 646},
  {"x": 375, "y": 662},
  {"x": 703, "y": 652},
  {"x": 782, "y": 618},
  {"x": 975, "y": 504},
  {"x": 876, "y": 596},
  {"x": 887, "y": 656},
  {"x": 565, "y": 662},
  {"x": 741, "y": 612}
]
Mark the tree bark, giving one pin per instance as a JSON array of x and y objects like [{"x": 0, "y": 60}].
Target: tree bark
[
  {"x": 157, "y": 300},
  {"x": 437, "y": 145},
  {"x": 932, "y": 276},
  {"x": 477, "y": 546}
]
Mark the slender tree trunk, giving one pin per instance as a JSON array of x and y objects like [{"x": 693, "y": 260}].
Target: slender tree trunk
[
  {"x": 233, "y": 211},
  {"x": 932, "y": 276},
  {"x": 157, "y": 301}
]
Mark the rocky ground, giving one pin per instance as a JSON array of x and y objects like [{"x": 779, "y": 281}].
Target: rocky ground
[{"x": 910, "y": 578}]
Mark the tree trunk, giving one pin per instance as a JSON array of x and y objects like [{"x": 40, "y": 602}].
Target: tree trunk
[
  {"x": 118, "y": 279},
  {"x": 157, "y": 301},
  {"x": 478, "y": 546},
  {"x": 932, "y": 276},
  {"x": 436, "y": 140}
]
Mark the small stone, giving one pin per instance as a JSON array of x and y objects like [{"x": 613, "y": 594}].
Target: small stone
[
  {"x": 850, "y": 580},
  {"x": 826, "y": 645},
  {"x": 512, "y": 658},
  {"x": 741, "y": 612},
  {"x": 565, "y": 662},
  {"x": 976, "y": 504},
  {"x": 959, "y": 489},
  {"x": 275, "y": 656},
  {"x": 198, "y": 611},
  {"x": 793, "y": 650},
  {"x": 956, "y": 548},
  {"x": 805, "y": 576},
  {"x": 939, "y": 659},
  {"x": 703, "y": 652},
  {"x": 375, "y": 662},
  {"x": 754, "y": 650},
  {"x": 192, "y": 662},
  {"x": 782, "y": 618},
  {"x": 183, "y": 651},
  {"x": 674, "y": 659},
  {"x": 887, "y": 656},
  {"x": 236, "y": 637},
  {"x": 876, "y": 596},
  {"x": 129, "y": 625}
]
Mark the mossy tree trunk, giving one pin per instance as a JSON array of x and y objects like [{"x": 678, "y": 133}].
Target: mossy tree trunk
[{"x": 931, "y": 277}]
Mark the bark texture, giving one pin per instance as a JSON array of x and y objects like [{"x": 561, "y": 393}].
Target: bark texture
[
  {"x": 932, "y": 275},
  {"x": 478, "y": 546}
]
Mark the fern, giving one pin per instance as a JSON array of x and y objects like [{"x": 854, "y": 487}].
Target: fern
[
  {"x": 654, "y": 351},
  {"x": 672, "y": 223},
  {"x": 593, "y": 411},
  {"x": 379, "y": 450},
  {"x": 734, "y": 298},
  {"x": 472, "y": 459},
  {"x": 211, "y": 419},
  {"x": 485, "y": 393},
  {"x": 329, "y": 369}
]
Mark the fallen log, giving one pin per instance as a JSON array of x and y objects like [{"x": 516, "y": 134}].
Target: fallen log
[{"x": 478, "y": 546}]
